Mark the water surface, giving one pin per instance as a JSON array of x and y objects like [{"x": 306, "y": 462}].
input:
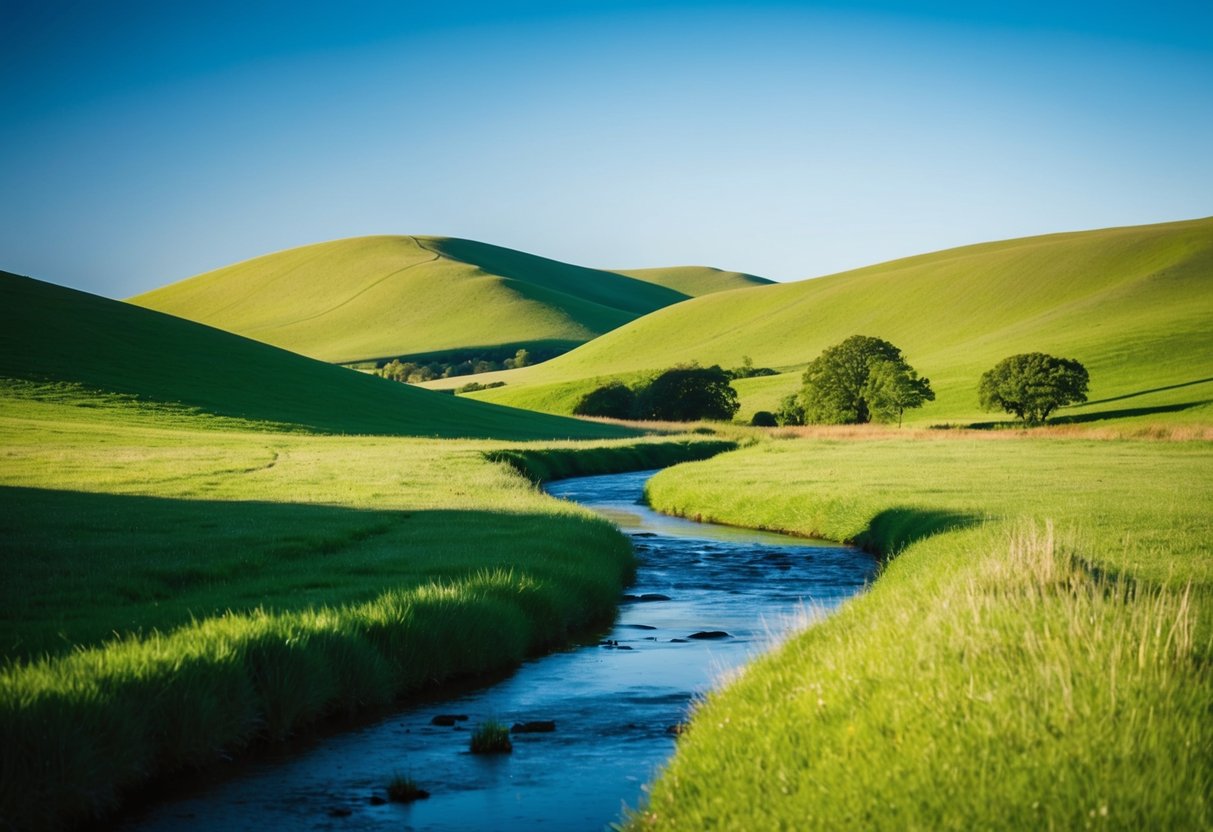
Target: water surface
[{"x": 613, "y": 702}]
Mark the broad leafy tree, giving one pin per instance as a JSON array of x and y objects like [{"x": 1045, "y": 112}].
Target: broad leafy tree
[
  {"x": 838, "y": 389},
  {"x": 893, "y": 387},
  {"x": 1032, "y": 385},
  {"x": 684, "y": 394}
]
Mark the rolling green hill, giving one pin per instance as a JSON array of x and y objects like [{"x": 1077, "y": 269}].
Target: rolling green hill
[
  {"x": 69, "y": 347},
  {"x": 1135, "y": 305},
  {"x": 394, "y": 296},
  {"x": 696, "y": 280}
]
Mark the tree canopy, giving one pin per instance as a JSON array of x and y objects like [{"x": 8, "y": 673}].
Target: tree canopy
[
  {"x": 858, "y": 380},
  {"x": 614, "y": 400},
  {"x": 684, "y": 394},
  {"x": 894, "y": 387},
  {"x": 1032, "y": 385}
]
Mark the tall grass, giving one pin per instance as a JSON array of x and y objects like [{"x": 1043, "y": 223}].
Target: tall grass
[{"x": 1003, "y": 671}]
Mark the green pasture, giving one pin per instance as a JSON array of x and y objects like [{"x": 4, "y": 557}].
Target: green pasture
[
  {"x": 1035, "y": 654},
  {"x": 169, "y": 594},
  {"x": 379, "y": 297},
  {"x": 65, "y": 347},
  {"x": 1135, "y": 305}
]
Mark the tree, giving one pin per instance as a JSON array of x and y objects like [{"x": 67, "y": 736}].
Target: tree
[
  {"x": 836, "y": 390},
  {"x": 790, "y": 411},
  {"x": 894, "y": 387},
  {"x": 615, "y": 400},
  {"x": 1032, "y": 385},
  {"x": 684, "y": 394},
  {"x": 522, "y": 358}
]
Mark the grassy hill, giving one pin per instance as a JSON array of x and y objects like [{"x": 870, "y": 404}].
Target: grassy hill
[
  {"x": 1135, "y": 305},
  {"x": 69, "y": 347},
  {"x": 696, "y": 280},
  {"x": 377, "y": 297}
]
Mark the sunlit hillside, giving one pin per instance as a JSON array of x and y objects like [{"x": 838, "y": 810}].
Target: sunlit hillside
[
  {"x": 1135, "y": 305},
  {"x": 393, "y": 296}
]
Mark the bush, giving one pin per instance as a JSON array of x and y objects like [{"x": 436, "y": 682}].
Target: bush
[
  {"x": 790, "y": 412},
  {"x": 615, "y": 400},
  {"x": 686, "y": 394},
  {"x": 764, "y": 419}
]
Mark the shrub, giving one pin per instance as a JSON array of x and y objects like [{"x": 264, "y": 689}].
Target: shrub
[
  {"x": 685, "y": 394},
  {"x": 615, "y": 400},
  {"x": 764, "y": 419}
]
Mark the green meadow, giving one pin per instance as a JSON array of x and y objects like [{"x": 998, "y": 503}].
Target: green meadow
[
  {"x": 379, "y": 297},
  {"x": 208, "y": 542},
  {"x": 1132, "y": 304},
  {"x": 1035, "y": 653}
]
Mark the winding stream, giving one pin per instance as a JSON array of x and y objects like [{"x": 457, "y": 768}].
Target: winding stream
[{"x": 613, "y": 704}]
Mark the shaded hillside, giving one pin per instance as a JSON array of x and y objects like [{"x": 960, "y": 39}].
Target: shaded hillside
[
  {"x": 73, "y": 348},
  {"x": 394, "y": 296},
  {"x": 1133, "y": 304},
  {"x": 696, "y": 280}
]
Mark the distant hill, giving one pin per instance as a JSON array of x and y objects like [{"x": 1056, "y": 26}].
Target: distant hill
[
  {"x": 1135, "y": 305},
  {"x": 394, "y": 296},
  {"x": 77, "y": 349},
  {"x": 696, "y": 280}
]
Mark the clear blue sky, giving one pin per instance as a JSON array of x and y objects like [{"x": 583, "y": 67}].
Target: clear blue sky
[{"x": 142, "y": 142}]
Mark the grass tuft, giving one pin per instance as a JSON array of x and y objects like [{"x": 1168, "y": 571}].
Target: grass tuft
[
  {"x": 491, "y": 737},
  {"x": 402, "y": 789}
]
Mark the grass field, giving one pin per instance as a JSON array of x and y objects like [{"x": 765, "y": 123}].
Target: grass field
[
  {"x": 206, "y": 541},
  {"x": 1036, "y": 655},
  {"x": 171, "y": 594},
  {"x": 377, "y": 297},
  {"x": 60, "y": 346},
  {"x": 1135, "y": 305}
]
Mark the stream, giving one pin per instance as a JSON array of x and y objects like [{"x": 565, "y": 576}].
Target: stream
[{"x": 613, "y": 701}]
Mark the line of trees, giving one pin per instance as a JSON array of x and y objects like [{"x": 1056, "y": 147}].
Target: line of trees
[
  {"x": 865, "y": 379},
  {"x": 413, "y": 372}
]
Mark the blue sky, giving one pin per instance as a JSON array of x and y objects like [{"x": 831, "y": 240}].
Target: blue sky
[{"x": 142, "y": 142}]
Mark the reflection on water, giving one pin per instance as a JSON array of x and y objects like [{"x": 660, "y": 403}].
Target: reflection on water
[{"x": 613, "y": 704}]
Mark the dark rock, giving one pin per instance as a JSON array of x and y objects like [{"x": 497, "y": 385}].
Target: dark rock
[
  {"x": 637, "y": 627},
  {"x": 676, "y": 730},
  {"x": 376, "y": 800},
  {"x": 654, "y": 596},
  {"x": 610, "y": 644},
  {"x": 623, "y": 647},
  {"x": 541, "y": 726},
  {"x": 447, "y": 720},
  {"x": 709, "y": 634},
  {"x": 340, "y": 812},
  {"x": 678, "y": 641}
]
